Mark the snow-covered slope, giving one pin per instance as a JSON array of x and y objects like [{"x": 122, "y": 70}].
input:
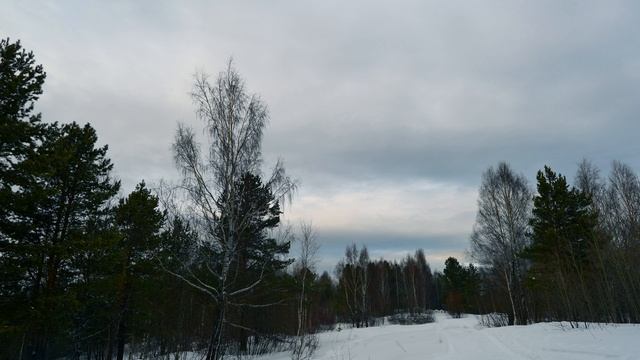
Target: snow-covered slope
[{"x": 464, "y": 339}]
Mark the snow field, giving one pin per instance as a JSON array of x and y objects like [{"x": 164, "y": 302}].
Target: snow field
[{"x": 464, "y": 339}]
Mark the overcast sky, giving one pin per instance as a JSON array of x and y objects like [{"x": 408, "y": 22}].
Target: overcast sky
[{"x": 387, "y": 112}]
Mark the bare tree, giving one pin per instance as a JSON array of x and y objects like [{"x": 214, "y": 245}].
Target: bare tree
[
  {"x": 352, "y": 272},
  {"x": 623, "y": 205},
  {"x": 622, "y": 222},
  {"x": 618, "y": 205},
  {"x": 426, "y": 278},
  {"x": 589, "y": 182},
  {"x": 363, "y": 264},
  {"x": 210, "y": 180},
  {"x": 500, "y": 232},
  {"x": 305, "y": 343}
]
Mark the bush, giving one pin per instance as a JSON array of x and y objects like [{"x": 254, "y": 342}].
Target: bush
[
  {"x": 494, "y": 320},
  {"x": 412, "y": 318}
]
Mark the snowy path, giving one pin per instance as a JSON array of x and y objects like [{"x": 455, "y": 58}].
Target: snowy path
[{"x": 464, "y": 339}]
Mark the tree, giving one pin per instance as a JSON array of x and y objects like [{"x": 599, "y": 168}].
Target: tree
[
  {"x": 363, "y": 265},
  {"x": 21, "y": 83},
  {"x": 563, "y": 231},
  {"x": 426, "y": 278},
  {"x": 139, "y": 221},
  {"x": 323, "y": 313},
  {"x": 305, "y": 343},
  {"x": 354, "y": 282},
  {"x": 589, "y": 182},
  {"x": 213, "y": 185},
  {"x": 623, "y": 206},
  {"x": 67, "y": 187},
  {"x": 620, "y": 221},
  {"x": 417, "y": 276},
  {"x": 500, "y": 232},
  {"x": 454, "y": 274},
  {"x": 258, "y": 254}
]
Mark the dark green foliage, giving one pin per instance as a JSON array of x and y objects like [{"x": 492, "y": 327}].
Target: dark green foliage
[
  {"x": 323, "y": 303},
  {"x": 20, "y": 85},
  {"x": 454, "y": 274},
  {"x": 244, "y": 279},
  {"x": 138, "y": 221},
  {"x": 461, "y": 287},
  {"x": 81, "y": 277},
  {"x": 21, "y": 81},
  {"x": 563, "y": 222},
  {"x": 580, "y": 265},
  {"x": 63, "y": 187},
  {"x": 257, "y": 252},
  {"x": 563, "y": 237},
  {"x": 258, "y": 256}
]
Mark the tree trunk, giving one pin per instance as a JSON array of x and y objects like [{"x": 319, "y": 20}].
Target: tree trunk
[
  {"x": 514, "y": 320},
  {"x": 121, "y": 331},
  {"x": 216, "y": 349}
]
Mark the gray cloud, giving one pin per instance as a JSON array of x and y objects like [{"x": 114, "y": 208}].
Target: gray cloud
[{"x": 384, "y": 110}]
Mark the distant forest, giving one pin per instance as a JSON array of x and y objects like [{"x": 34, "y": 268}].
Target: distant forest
[{"x": 205, "y": 265}]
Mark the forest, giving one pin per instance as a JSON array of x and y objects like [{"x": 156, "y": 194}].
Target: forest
[{"x": 206, "y": 265}]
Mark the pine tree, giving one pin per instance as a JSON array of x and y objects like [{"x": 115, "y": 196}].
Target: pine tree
[
  {"x": 257, "y": 252},
  {"x": 21, "y": 83},
  {"x": 258, "y": 256},
  {"x": 139, "y": 222},
  {"x": 563, "y": 231},
  {"x": 454, "y": 275},
  {"x": 65, "y": 186}
]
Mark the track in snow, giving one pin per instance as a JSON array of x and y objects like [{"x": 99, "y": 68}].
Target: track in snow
[{"x": 464, "y": 339}]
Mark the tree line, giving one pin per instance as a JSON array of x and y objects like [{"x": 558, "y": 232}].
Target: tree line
[
  {"x": 368, "y": 290},
  {"x": 205, "y": 265},
  {"x": 559, "y": 252},
  {"x": 563, "y": 252}
]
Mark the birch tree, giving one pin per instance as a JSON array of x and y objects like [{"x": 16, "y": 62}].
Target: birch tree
[
  {"x": 500, "y": 232},
  {"x": 305, "y": 343},
  {"x": 622, "y": 222},
  {"x": 212, "y": 182}
]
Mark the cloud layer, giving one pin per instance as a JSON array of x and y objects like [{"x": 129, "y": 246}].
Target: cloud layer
[{"x": 387, "y": 112}]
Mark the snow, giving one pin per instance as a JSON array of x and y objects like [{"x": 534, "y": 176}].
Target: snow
[{"x": 464, "y": 338}]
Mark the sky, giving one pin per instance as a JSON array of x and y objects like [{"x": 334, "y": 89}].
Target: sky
[{"x": 386, "y": 112}]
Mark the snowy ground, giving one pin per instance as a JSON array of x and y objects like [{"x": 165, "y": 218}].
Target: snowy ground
[{"x": 464, "y": 339}]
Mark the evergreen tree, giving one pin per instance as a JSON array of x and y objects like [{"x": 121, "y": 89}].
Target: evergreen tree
[
  {"x": 454, "y": 275},
  {"x": 257, "y": 258},
  {"x": 21, "y": 83},
  {"x": 324, "y": 300},
  {"x": 96, "y": 260},
  {"x": 563, "y": 231},
  {"x": 139, "y": 222},
  {"x": 257, "y": 252},
  {"x": 65, "y": 186},
  {"x": 471, "y": 290}
]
